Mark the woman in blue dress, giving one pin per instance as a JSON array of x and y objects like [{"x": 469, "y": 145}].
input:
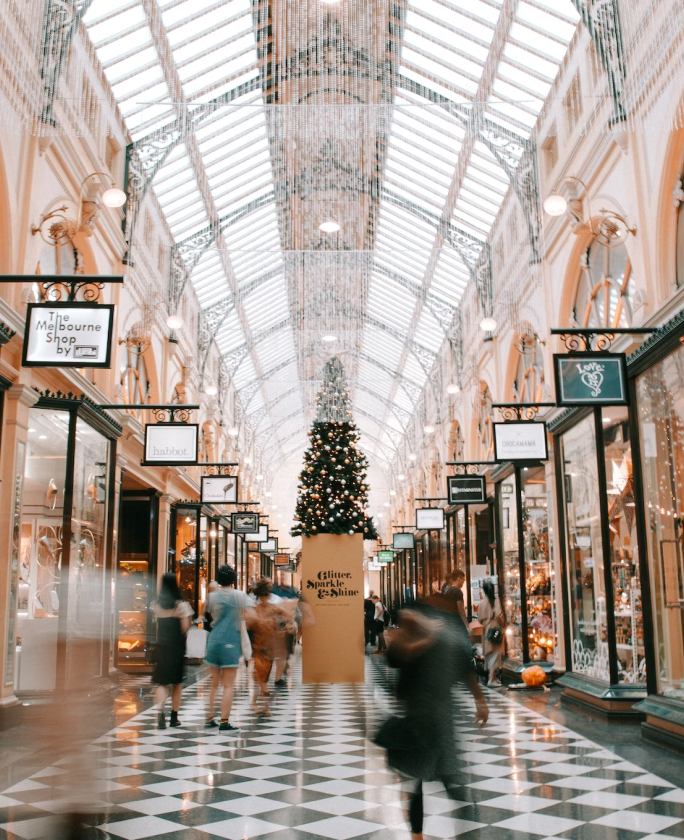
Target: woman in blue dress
[{"x": 227, "y": 606}]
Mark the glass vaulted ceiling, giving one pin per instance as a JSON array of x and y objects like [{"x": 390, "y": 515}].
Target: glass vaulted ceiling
[{"x": 453, "y": 64}]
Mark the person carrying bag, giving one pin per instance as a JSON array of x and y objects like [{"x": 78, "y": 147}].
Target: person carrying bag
[{"x": 491, "y": 617}]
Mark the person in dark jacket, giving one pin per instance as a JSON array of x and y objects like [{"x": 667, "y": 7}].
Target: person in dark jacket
[
  {"x": 369, "y": 619},
  {"x": 174, "y": 616},
  {"x": 433, "y": 655}
]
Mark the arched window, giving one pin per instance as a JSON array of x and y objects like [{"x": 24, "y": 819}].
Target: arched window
[
  {"x": 528, "y": 384},
  {"x": 456, "y": 442},
  {"x": 485, "y": 428},
  {"x": 605, "y": 291}
]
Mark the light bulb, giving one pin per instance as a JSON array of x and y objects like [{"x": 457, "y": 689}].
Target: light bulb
[
  {"x": 412, "y": 456},
  {"x": 248, "y": 460},
  {"x": 329, "y": 338},
  {"x": 174, "y": 322},
  {"x": 211, "y": 390},
  {"x": 329, "y": 226},
  {"x": 428, "y": 429},
  {"x": 259, "y": 478},
  {"x": 114, "y": 197},
  {"x": 401, "y": 477},
  {"x": 555, "y": 205},
  {"x": 387, "y": 504},
  {"x": 393, "y": 492},
  {"x": 233, "y": 431},
  {"x": 267, "y": 494},
  {"x": 488, "y": 324},
  {"x": 453, "y": 389}
]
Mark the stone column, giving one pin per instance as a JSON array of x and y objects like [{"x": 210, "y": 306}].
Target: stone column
[
  {"x": 163, "y": 546},
  {"x": 18, "y": 399}
]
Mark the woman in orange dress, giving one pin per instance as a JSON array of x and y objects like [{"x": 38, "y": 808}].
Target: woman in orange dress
[{"x": 269, "y": 627}]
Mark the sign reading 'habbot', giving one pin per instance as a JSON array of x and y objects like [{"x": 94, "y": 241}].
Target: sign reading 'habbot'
[
  {"x": 68, "y": 335},
  {"x": 171, "y": 444},
  {"x": 591, "y": 379}
]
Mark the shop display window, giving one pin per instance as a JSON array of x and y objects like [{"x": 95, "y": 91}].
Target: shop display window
[
  {"x": 629, "y": 624},
  {"x": 186, "y": 559},
  {"x": 42, "y": 520},
  {"x": 660, "y": 394},
  {"x": 508, "y": 508},
  {"x": 539, "y": 575},
  {"x": 587, "y": 597}
]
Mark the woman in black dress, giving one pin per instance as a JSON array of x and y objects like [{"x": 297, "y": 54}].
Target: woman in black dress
[{"x": 173, "y": 616}]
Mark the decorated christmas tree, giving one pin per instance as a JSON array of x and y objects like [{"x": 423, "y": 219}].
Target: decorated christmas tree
[{"x": 333, "y": 490}]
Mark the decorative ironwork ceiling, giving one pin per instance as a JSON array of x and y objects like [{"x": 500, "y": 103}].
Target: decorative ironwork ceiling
[{"x": 406, "y": 122}]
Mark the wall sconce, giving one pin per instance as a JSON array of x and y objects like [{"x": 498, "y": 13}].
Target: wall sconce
[{"x": 609, "y": 228}]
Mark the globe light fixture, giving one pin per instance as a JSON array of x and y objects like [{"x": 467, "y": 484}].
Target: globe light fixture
[
  {"x": 233, "y": 431},
  {"x": 329, "y": 226},
  {"x": 428, "y": 429},
  {"x": 412, "y": 456},
  {"x": 387, "y": 504},
  {"x": 114, "y": 197},
  {"x": 329, "y": 338},
  {"x": 211, "y": 390},
  {"x": 488, "y": 324},
  {"x": 401, "y": 477},
  {"x": 267, "y": 494},
  {"x": 453, "y": 388},
  {"x": 555, "y": 205},
  {"x": 260, "y": 478},
  {"x": 393, "y": 492},
  {"x": 174, "y": 322},
  {"x": 248, "y": 460}
]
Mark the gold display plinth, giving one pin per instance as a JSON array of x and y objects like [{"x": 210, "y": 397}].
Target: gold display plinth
[{"x": 332, "y": 584}]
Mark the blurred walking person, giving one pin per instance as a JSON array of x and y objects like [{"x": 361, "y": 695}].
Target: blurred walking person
[
  {"x": 491, "y": 617},
  {"x": 379, "y": 625},
  {"x": 369, "y": 619},
  {"x": 432, "y": 655},
  {"x": 174, "y": 616},
  {"x": 228, "y": 607},
  {"x": 269, "y": 626}
]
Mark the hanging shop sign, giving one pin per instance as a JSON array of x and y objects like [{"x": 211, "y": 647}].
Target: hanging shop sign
[
  {"x": 282, "y": 560},
  {"x": 402, "y": 540},
  {"x": 68, "y": 335},
  {"x": 219, "y": 489},
  {"x": 467, "y": 489},
  {"x": 374, "y": 566},
  {"x": 258, "y": 536},
  {"x": 244, "y": 523},
  {"x": 385, "y": 556},
  {"x": 171, "y": 444},
  {"x": 429, "y": 519},
  {"x": 522, "y": 440},
  {"x": 593, "y": 378},
  {"x": 269, "y": 547}
]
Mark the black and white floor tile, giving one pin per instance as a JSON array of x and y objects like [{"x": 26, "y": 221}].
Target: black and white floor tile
[{"x": 309, "y": 771}]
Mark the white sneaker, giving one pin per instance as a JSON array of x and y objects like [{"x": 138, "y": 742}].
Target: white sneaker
[{"x": 495, "y": 684}]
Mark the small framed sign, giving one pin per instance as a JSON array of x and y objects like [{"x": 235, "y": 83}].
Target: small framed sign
[
  {"x": 68, "y": 335},
  {"x": 429, "y": 519},
  {"x": 171, "y": 444},
  {"x": 219, "y": 489},
  {"x": 269, "y": 547},
  {"x": 258, "y": 536},
  {"x": 591, "y": 379},
  {"x": 244, "y": 523},
  {"x": 385, "y": 556},
  {"x": 403, "y": 540},
  {"x": 467, "y": 489},
  {"x": 282, "y": 559},
  {"x": 520, "y": 440}
]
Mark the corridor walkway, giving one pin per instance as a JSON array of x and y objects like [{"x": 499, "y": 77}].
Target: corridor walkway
[{"x": 310, "y": 772}]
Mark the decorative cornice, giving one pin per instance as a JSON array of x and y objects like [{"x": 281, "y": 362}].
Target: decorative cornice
[
  {"x": 6, "y": 333},
  {"x": 656, "y": 337},
  {"x": 23, "y": 393},
  {"x": 72, "y": 400}
]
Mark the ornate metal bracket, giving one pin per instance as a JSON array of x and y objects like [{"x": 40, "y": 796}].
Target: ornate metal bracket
[
  {"x": 162, "y": 413},
  {"x": 581, "y": 339},
  {"x": 220, "y": 468},
  {"x": 65, "y": 287},
  {"x": 521, "y": 411},
  {"x": 602, "y": 19},
  {"x": 469, "y": 467}
]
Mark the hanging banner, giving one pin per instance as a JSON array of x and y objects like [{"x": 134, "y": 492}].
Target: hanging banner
[
  {"x": 521, "y": 440},
  {"x": 429, "y": 519},
  {"x": 258, "y": 536},
  {"x": 591, "y": 379},
  {"x": 467, "y": 489},
  {"x": 219, "y": 489},
  {"x": 269, "y": 547},
  {"x": 171, "y": 444},
  {"x": 282, "y": 560},
  {"x": 68, "y": 335},
  {"x": 402, "y": 540},
  {"x": 385, "y": 556},
  {"x": 244, "y": 523}
]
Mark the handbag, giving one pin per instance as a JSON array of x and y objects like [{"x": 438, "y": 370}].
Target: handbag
[{"x": 495, "y": 635}]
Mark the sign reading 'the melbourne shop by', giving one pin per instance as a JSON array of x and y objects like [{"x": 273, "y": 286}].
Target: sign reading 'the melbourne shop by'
[
  {"x": 523, "y": 440},
  {"x": 68, "y": 335},
  {"x": 591, "y": 379},
  {"x": 171, "y": 444}
]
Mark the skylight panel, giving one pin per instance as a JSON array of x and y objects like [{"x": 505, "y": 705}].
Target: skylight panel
[
  {"x": 537, "y": 42},
  {"x": 139, "y": 82},
  {"x": 206, "y": 47},
  {"x": 550, "y": 24},
  {"x": 434, "y": 86},
  {"x": 105, "y": 9},
  {"x": 197, "y": 23},
  {"x": 174, "y": 13},
  {"x": 428, "y": 331},
  {"x": 461, "y": 16},
  {"x": 523, "y": 80},
  {"x": 514, "y": 94},
  {"x": 267, "y": 305},
  {"x": 545, "y": 68},
  {"x": 511, "y": 116},
  {"x": 229, "y": 85},
  {"x": 130, "y": 65},
  {"x": 120, "y": 47},
  {"x": 565, "y": 8},
  {"x": 205, "y": 80},
  {"x": 438, "y": 71},
  {"x": 389, "y": 302},
  {"x": 215, "y": 59},
  {"x": 413, "y": 369},
  {"x": 478, "y": 52},
  {"x": 424, "y": 186},
  {"x": 488, "y": 208},
  {"x": 245, "y": 373},
  {"x": 382, "y": 346},
  {"x": 127, "y": 21},
  {"x": 230, "y": 335},
  {"x": 469, "y": 69}
]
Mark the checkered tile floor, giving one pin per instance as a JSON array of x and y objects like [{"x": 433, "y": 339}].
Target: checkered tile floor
[{"x": 310, "y": 772}]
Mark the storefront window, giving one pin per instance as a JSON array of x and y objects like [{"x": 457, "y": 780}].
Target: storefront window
[
  {"x": 511, "y": 568},
  {"x": 584, "y": 552},
  {"x": 42, "y": 517},
  {"x": 541, "y": 629},
  {"x": 186, "y": 552},
  {"x": 661, "y": 422}
]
